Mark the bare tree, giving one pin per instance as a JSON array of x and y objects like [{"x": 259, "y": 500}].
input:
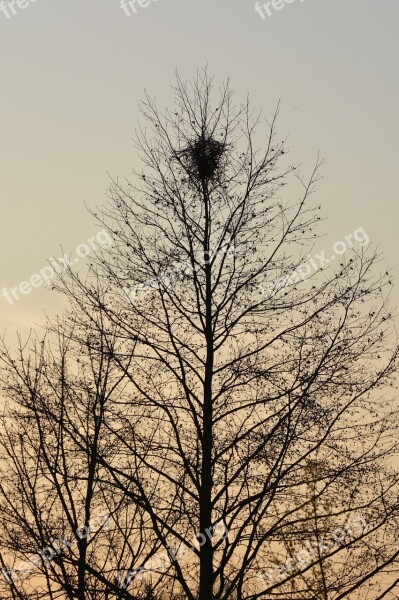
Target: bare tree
[
  {"x": 208, "y": 406},
  {"x": 57, "y": 509}
]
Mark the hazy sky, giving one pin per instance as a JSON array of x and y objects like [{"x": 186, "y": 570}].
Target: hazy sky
[{"x": 73, "y": 72}]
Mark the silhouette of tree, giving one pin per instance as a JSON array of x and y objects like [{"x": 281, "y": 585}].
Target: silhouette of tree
[{"x": 184, "y": 402}]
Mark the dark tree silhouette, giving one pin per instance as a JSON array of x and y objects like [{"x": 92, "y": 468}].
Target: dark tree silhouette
[{"x": 184, "y": 403}]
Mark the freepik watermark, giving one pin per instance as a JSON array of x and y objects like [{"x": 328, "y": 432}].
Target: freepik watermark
[
  {"x": 313, "y": 552},
  {"x": 45, "y": 556},
  {"x": 160, "y": 562},
  {"x": 316, "y": 262},
  {"x": 178, "y": 271},
  {"x": 131, "y": 5},
  {"x": 270, "y": 7},
  {"x": 57, "y": 266},
  {"x": 8, "y": 8}
]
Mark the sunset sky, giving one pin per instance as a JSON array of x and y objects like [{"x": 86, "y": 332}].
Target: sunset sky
[{"x": 73, "y": 72}]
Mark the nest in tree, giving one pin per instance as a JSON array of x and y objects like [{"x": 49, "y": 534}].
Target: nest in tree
[{"x": 203, "y": 157}]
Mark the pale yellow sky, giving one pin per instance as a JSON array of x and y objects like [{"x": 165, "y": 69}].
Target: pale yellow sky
[{"x": 72, "y": 74}]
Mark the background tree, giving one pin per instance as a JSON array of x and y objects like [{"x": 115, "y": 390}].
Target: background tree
[{"x": 204, "y": 401}]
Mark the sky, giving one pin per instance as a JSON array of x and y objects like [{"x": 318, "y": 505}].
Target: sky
[{"x": 73, "y": 73}]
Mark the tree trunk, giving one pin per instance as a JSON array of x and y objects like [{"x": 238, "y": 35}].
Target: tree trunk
[{"x": 206, "y": 550}]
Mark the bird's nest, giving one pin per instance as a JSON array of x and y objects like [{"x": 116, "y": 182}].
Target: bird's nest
[{"x": 203, "y": 157}]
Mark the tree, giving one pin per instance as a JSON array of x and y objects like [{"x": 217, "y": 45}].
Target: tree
[{"x": 190, "y": 405}]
